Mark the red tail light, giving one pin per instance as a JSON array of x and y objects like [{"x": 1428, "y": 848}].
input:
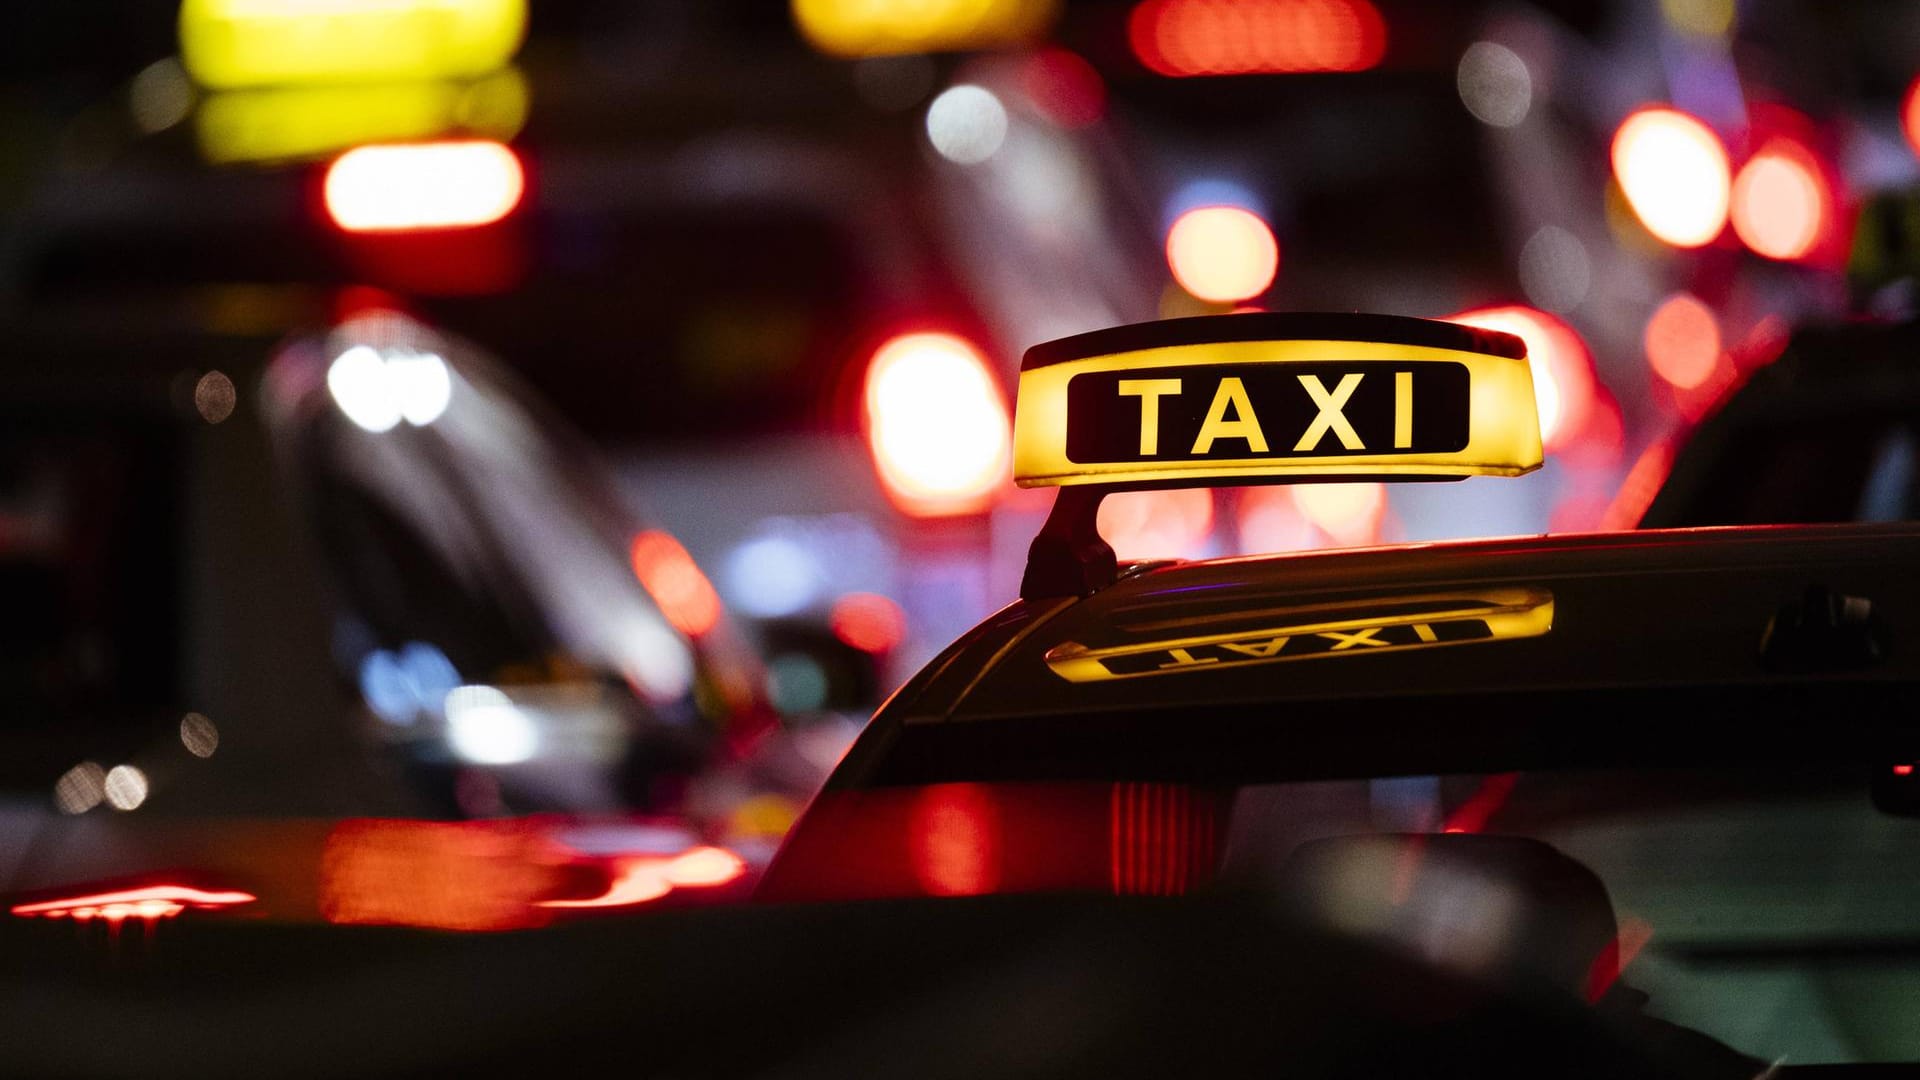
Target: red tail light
[{"x": 974, "y": 839}]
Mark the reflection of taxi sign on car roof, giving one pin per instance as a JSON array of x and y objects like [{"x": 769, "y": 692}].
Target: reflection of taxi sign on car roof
[
  {"x": 1390, "y": 625},
  {"x": 1259, "y": 398}
]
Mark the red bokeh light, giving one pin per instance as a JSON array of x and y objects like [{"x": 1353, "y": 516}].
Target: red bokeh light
[
  {"x": 1683, "y": 341},
  {"x": 1255, "y": 37},
  {"x": 675, "y": 582},
  {"x": 868, "y": 622},
  {"x": 1910, "y": 115},
  {"x": 1782, "y": 207},
  {"x": 1064, "y": 87},
  {"x": 1564, "y": 385}
]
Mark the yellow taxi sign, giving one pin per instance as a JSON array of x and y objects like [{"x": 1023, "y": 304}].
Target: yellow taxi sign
[{"x": 1273, "y": 397}]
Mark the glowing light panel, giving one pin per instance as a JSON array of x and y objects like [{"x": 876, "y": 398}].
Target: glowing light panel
[
  {"x": 1673, "y": 171},
  {"x": 406, "y": 187}
]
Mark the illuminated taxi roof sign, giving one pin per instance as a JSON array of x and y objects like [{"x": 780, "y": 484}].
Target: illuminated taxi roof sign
[
  {"x": 1257, "y": 399},
  {"x": 1266, "y": 398}
]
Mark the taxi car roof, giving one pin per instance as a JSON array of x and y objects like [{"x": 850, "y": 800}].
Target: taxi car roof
[
  {"x": 1646, "y": 608},
  {"x": 1642, "y": 628}
]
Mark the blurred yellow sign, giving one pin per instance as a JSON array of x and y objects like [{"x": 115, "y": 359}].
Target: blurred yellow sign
[
  {"x": 229, "y": 44},
  {"x": 292, "y": 123},
  {"x": 892, "y": 27}
]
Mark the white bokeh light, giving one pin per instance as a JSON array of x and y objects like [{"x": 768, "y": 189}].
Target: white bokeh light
[
  {"x": 376, "y": 391},
  {"x": 1555, "y": 270},
  {"x": 966, "y": 124},
  {"x": 1494, "y": 84},
  {"x": 485, "y": 727}
]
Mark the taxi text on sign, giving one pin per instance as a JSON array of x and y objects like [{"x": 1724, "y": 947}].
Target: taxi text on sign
[{"x": 1275, "y": 409}]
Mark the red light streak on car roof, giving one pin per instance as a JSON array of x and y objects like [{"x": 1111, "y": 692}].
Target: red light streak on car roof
[
  {"x": 153, "y": 901},
  {"x": 651, "y": 877}
]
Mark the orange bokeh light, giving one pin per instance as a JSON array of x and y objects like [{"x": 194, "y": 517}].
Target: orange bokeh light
[
  {"x": 1157, "y": 524},
  {"x": 675, "y": 582},
  {"x": 1254, "y": 37},
  {"x": 650, "y": 877},
  {"x": 1910, "y": 115},
  {"x": 1562, "y": 367},
  {"x": 449, "y": 875},
  {"x": 868, "y": 622},
  {"x": 1781, "y": 207},
  {"x": 1683, "y": 341},
  {"x": 1673, "y": 170},
  {"x": 1222, "y": 253},
  {"x": 1349, "y": 513},
  {"x": 937, "y": 424},
  {"x": 414, "y": 186}
]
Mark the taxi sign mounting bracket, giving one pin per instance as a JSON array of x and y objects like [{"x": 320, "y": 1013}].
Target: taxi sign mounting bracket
[{"x": 1069, "y": 557}]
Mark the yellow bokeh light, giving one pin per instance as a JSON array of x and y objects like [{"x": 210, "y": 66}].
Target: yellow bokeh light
[
  {"x": 1222, "y": 253},
  {"x": 893, "y": 27},
  {"x": 292, "y": 123},
  {"x": 228, "y": 44}
]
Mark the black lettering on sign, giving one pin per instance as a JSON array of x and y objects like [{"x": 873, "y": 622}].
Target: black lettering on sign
[{"x": 1238, "y": 411}]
